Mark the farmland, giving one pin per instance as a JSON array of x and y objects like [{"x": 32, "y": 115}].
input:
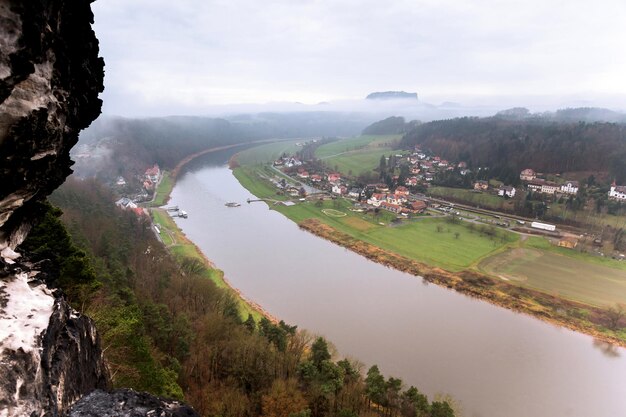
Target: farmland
[
  {"x": 356, "y": 156},
  {"x": 483, "y": 200},
  {"x": 563, "y": 276},
  {"x": 266, "y": 153},
  {"x": 360, "y": 143}
]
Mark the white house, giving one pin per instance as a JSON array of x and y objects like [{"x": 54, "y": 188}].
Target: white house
[
  {"x": 506, "y": 190},
  {"x": 376, "y": 199},
  {"x": 339, "y": 189},
  {"x": 570, "y": 187},
  {"x": 617, "y": 192},
  {"x": 125, "y": 203},
  {"x": 354, "y": 193}
]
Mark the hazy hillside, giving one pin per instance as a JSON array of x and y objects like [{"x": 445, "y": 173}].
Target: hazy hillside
[{"x": 120, "y": 146}]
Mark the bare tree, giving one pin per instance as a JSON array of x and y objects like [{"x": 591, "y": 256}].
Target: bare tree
[{"x": 614, "y": 315}]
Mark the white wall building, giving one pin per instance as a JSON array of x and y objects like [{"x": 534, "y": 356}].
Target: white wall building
[
  {"x": 617, "y": 192},
  {"x": 570, "y": 187}
]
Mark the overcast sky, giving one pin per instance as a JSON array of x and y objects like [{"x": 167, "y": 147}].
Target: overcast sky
[{"x": 188, "y": 56}]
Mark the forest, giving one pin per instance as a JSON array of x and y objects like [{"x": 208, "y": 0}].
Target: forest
[
  {"x": 507, "y": 145},
  {"x": 168, "y": 330}
]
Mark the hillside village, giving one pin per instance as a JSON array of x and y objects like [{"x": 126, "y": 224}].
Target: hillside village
[
  {"x": 404, "y": 183},
  {"x": 404, "y": 175}
]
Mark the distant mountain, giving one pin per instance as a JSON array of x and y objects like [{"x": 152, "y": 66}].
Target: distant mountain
[{"x": 391, "y": 95}]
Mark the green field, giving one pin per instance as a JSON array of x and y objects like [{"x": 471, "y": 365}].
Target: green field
[
  {"x": 535, "y": 242},
  {"x": 356, "y": 156},
  {"x": 565, "y": 276},
  {"x": 267, "y": 153},
  {"x": 356, "y": 144},
  {"x": 357, "y": 162},
  {"x": 163, "y": 190},
  {"x": 417, "y": 239},
  {"x": 483, "y": 199}
]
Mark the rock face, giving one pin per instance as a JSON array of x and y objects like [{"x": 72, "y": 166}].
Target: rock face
[
  {"x": 50, "y": 355},
  {"x": 128, "y": 403},
  {"x": 50, "y": 77}
]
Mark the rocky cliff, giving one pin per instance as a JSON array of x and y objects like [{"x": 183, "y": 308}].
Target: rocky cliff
[{"x": 50, "y": 78}]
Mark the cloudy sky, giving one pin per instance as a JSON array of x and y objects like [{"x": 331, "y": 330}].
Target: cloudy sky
[{"x": 191, "y": 56}]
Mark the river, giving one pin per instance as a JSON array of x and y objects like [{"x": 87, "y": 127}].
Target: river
[{"x": 495, "y": 363}]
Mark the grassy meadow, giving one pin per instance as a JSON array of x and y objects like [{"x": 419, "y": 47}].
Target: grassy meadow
[
  {"x": 565, "y": 276},
  {"x": 356, "y": 156},
  {"x": 359, "y": 143},
  {"x": 266, "y": 153},
  {"x": 484, "y": 200},
  {"x": 433, "y": 241}
]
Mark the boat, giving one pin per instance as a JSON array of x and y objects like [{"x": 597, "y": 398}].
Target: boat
[
  {"x": 232, "y": 204},
  {"x": 182, "y": 214}
]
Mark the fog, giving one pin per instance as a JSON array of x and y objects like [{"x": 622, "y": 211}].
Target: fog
[{"x": 218, "y": 57}]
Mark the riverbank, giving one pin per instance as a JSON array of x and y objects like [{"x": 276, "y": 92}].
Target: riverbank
[
  {"x": 537, "y": 304},
  {"x": 168, "y": 181},
  {"x": 182, "y": 249},
  {"x": 453, "y": 255}
]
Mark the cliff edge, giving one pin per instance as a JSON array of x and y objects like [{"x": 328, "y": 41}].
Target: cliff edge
[{"x": 50, "y": 78}]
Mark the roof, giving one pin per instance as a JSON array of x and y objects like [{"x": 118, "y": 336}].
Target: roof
[{"x": 386, "y": 204}]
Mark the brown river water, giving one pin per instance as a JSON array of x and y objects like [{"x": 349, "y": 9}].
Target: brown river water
[{"x": 493, "y": 362}]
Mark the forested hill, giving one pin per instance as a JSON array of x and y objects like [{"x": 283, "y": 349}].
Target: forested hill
[
  {"x": 119, "y": 145},
  {"x": 512, "y": 145},
  {"x": 390, "y": 126}
]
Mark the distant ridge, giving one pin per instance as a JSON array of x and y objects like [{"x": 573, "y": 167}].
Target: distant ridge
[{"x": 389, "y": 95}]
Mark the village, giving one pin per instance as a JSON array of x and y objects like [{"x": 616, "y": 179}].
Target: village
[
  {"x": 398, "y": 195},
  {"x": 403, "y": 191}
]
